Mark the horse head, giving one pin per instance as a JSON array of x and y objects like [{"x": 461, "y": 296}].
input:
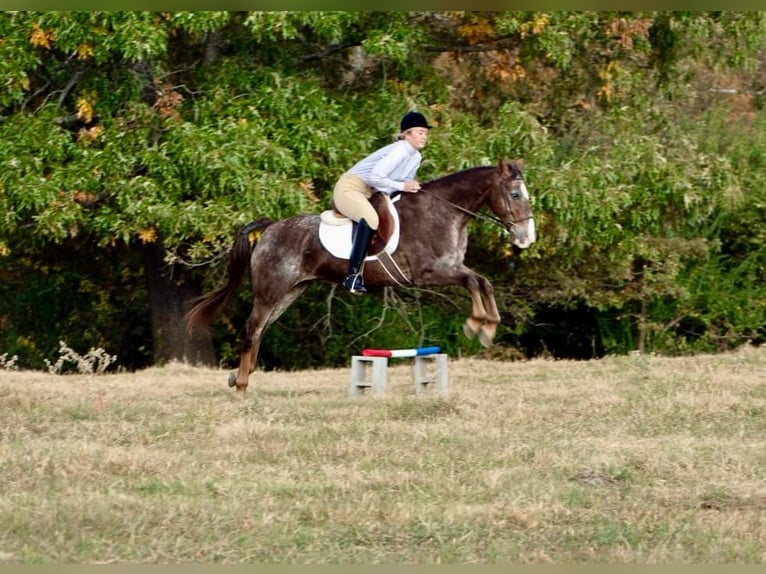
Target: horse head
[{"x": 509, "y": 200}]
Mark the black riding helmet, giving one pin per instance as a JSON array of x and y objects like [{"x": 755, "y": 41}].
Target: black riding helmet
[{"x": 413, "y": 120}]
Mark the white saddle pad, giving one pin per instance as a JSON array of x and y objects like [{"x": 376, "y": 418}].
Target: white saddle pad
[{"x": 335, "y": 234}]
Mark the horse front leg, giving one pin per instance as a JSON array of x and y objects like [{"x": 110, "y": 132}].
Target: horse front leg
[
  {"x": 492, "y": 317},
  {"x": 475, "y": 320},
  {"x": 484, "y": 316}
]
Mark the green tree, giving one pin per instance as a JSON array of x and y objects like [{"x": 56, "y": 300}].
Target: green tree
[{"x": 147, "y": 138}]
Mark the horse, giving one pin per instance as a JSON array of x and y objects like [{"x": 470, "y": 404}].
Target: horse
[{"x": 286, "y": 255}]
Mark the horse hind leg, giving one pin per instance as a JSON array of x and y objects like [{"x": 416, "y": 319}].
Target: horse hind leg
[
  {"x": 261, "y": 317},
  {"x": 251, "y": 343},
  {"x": 249, "y": 363}
]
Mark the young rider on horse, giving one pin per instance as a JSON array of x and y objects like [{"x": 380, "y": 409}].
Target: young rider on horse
[{"x": 389, "y": 169}]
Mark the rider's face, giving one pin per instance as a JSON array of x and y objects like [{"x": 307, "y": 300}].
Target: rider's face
[{"x": 417, "y": 137}]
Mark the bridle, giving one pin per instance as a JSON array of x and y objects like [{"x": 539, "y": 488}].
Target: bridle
[{"x": 507, "y": 225}]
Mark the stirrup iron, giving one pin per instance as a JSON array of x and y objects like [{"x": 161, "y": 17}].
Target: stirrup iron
[{"x": 355, "y": 284}]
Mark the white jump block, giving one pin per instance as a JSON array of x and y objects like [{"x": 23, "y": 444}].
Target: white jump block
[
  {"x": 371, "y": 372},
  {"x": 360, "y": 379},
  {"x": 437, "y": 376}
]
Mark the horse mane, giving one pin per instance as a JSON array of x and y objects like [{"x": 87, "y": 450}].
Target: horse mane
[
  {"x": 451, "y": 180},
  {"x": 456, "y": 178}
]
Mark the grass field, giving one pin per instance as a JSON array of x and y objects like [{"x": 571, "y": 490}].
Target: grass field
[{"x": 633, "y": 459}]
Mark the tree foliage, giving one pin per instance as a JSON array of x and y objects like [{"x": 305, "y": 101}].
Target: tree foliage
[{"x": 124, "y": 131}]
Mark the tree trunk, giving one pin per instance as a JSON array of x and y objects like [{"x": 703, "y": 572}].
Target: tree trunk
[
  {"x": 643, "y": 326},
  {"x": 212, "y": 48},
  {"x": 167, "y": 297}
]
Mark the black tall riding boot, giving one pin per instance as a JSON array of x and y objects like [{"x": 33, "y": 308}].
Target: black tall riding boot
[{"x": 353, "y": 281}]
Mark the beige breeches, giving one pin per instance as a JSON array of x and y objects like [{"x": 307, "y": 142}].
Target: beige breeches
[{"x": 351, "y": 196}]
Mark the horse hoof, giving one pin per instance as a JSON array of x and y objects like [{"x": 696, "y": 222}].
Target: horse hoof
[
  {"x": 233, "y": 379},
  {"x": 487, "y": 334},
  {"x": 486, "y": 339},
  {"x": 468, "y": 331}
]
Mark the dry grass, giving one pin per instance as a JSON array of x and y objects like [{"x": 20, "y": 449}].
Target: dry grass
[{"x": 624, "y": 460}]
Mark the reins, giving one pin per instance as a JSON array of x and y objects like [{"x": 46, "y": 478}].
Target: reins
[{"x": 492, "y": 218}]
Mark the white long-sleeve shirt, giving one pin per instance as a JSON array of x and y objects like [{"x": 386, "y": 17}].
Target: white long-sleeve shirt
[{"x": 389, "y": 167}]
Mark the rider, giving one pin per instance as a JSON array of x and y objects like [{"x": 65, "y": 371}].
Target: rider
[{"x": 389, "y": 169}]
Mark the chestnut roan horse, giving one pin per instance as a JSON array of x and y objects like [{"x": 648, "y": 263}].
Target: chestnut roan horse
[{"x": 286, "y": 255}]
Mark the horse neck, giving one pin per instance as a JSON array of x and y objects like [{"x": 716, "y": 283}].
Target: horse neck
[{"x": 467, "y": 189}]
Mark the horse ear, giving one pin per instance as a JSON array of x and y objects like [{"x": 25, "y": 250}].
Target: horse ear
[
  {"x": 502, "y": 166},
  {"x": 519, "y": 162}
]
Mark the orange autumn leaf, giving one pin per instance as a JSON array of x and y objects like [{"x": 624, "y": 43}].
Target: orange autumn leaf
[
  {"x": 84, "y": 51},
  {"x": 83, "y": 197},
  {"x": 477, "y": 31},
  {"x": 84, "y": 110},
  {"x": 39, "y": 38},
  {"x": 148, "y": 235},
  {"x": 89, "y": 134}
]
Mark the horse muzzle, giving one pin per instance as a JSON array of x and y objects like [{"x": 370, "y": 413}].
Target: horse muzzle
[{"x": 523, "y": 234}]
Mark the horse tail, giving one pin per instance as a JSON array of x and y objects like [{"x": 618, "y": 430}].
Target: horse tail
[{"x": 205, "y": 306}]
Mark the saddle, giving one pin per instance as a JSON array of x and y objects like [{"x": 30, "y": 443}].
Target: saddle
[{"x": 387, "y": 231}]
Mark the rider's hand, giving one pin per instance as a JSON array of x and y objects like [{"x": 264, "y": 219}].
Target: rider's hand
[{"x": 411, "y": 186}]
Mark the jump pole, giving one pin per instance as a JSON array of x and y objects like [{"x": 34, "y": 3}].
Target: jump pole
[{"x": 377, "y": 360}]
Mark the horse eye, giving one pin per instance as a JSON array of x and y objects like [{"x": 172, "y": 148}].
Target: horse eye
[{"x": 515, "y": 195}]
